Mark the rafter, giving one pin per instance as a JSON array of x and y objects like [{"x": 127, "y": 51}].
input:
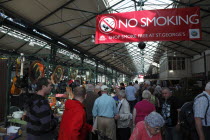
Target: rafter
[
  {"x": 53, "y": 12},
  {"x": 90, "y": 19}
]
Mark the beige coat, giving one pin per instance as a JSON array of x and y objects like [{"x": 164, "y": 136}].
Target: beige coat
[{"x": 125, "y": 115}]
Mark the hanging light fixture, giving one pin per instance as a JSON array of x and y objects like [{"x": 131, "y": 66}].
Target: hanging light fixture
[
  {"x": 31, "y": 43},
  {"x": 113, "y": 56},
  {"x": 93, "y": 38},
  {"x": 141, "y": 45}
]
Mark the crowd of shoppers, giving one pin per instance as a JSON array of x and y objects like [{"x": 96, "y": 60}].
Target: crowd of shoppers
[{"x": 135, "y": 112}]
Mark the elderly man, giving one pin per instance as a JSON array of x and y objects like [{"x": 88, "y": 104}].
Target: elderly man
[
  {"x": 202, "y": 113},
  {"x": 41, "y": 121},
  {"x": 73, "y": 125},
  {"x": 105, "y": 109},
  {"x": 123, "y": 117},
  {"x": 169, "y": 110}
]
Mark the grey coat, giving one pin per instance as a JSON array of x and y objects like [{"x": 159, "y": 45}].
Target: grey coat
[{"x": 125, "y": 115}]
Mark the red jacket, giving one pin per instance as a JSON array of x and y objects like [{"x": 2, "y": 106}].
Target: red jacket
[{"x": 73, "y": 125}]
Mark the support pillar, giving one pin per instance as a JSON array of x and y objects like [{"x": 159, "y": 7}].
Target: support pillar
[
  {"x": 96, "y": 73},
  {"x": 205, "y": 71},
  {"x": 81, "y": 69}
]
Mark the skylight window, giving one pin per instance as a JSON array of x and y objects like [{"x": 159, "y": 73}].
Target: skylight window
[{"x": 142, "y": 59}]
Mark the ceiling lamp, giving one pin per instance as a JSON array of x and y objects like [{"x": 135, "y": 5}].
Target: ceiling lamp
[
  {"x": 93, "y": 38},
  {"x": 141, "y": 45},
  {"x": 31, "y": 43}
]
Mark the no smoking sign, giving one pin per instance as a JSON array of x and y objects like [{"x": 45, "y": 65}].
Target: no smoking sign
[{"x": 107, "y": 24}]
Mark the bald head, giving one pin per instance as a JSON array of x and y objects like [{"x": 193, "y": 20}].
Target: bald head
[{"x": 79, "y": 92}]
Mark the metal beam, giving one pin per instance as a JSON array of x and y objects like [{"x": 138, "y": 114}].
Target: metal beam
[
  {"x": 93, "y": 47},
  {"x": 185, "y": 47},
  {"x": 61, "y": 21},
  {"x": 55, "y": 40},
  {"x": 5, "y": 1},
  {"x": 207, "y": 46},
  {"x": 190, "y": 5},
  {"x": 8, "y": 52},
  {"x": 105, "y": 49},
  {"x": 53, "y": 12},
  {"x": 90, "y": 19},
  {"x": 177, "y": 50},
  {"x": 21, "y": 46},
  {"x": 206, "y": 32},
  {"x": 80, "y": 36},
  {"x": 80, "y": 10},
  {"x": 129, "y": 54},
  {"x": 41, "y": 49},
  {"x": 197, "y": 2},
  {"x": 82, "y": 41},
  {"x": 112, "y": 52}
]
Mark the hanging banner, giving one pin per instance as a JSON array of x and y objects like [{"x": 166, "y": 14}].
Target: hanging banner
[{"x": 149, "y": 25}]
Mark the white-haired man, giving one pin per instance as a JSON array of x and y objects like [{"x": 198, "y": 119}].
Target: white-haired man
[
  {"x": 202, "y": 113},
  {"x": 169, "y": 110}
]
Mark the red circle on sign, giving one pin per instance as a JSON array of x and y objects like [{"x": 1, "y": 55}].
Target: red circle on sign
[{"x": 107, "y": 24}]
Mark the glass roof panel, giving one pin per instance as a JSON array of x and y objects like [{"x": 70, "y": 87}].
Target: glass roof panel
[{"x": 142, "y": 58}]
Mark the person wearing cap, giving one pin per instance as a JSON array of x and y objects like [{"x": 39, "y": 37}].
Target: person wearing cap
[
  {"x": 149, "y": 129},
  {"x": 97, "y": 89},
  {"x": 202, "y": 113},
  {"x": 105, "y": 109}
]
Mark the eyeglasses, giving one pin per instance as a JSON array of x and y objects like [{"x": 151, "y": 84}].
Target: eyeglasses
[{"x": 157, "y": 129}]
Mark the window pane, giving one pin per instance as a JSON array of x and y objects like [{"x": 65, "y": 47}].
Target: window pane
[
  {"x": 174, "y": 65},
  {"x": 179, "y": 65},
  {"x": 170, "y": 65},
  {"x": 183, "y": 65}
]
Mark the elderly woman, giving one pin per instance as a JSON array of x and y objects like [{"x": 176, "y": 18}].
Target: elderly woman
[
  {"x": 149, "y": 129},
  {"x": 123, "y": 118},
  {"x": 143, "y": 108}
]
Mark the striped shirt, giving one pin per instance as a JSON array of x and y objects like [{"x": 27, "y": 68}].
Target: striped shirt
[{"x": 39, "y": 116}]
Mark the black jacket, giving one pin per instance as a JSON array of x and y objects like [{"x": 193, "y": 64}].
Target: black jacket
[{"x": 169, "y": 110}]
